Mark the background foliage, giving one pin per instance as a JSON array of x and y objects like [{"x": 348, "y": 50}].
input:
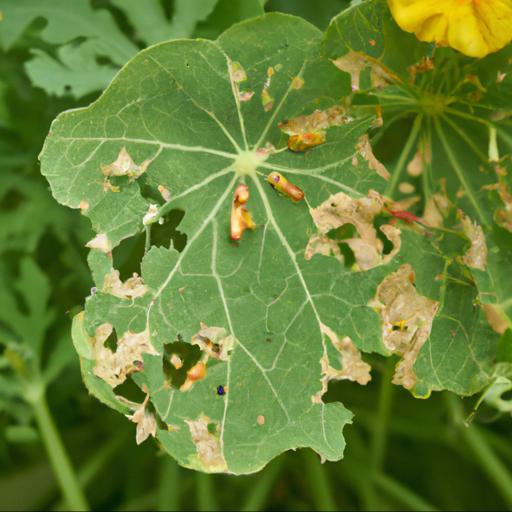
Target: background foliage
[{"x": 402, "y": 453}]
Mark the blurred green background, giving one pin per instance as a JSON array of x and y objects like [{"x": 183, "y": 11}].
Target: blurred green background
[{"x": 403, "y": 453}]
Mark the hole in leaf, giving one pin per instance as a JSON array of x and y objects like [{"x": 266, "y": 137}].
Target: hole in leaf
[
  {"x": 507, "y": 395},
  {"x": 111, "y": 341},
  {"x": 164, "y": 234},
  {"x": 128, "y": 255},
  {"x": 188, "y": 355},
  {"x": 129, "y": 390}
]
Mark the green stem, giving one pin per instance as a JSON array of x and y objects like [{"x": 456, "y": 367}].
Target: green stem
[
  {"x": 260, "y": 491},
  {"x": 58, "y": 456},
  {"x": 380, "y": 431},
  {"x": 169, "y": 485},
  {"x": 460, "y": 173},
  {"x": 147, "y": 245},
  {"x": 95, "y": 464},
  {"x": 397, "y": 172},
  {"x": 402, "y": 494},
  {"x": 206, "y": 499},
  {"x": 318, "y": 482},
  {"x": 490, "y": 463}
]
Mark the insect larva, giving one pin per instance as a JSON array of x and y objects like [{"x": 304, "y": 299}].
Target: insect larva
[
  {"x": 281, "y": 184},
  {"x": 240, "y": 217}
]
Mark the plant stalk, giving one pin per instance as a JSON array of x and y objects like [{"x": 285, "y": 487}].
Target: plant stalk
[{"x": 58, "y": 456}]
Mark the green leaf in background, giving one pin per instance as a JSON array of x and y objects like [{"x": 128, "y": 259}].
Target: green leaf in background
[{"x": 90, "y": 43}]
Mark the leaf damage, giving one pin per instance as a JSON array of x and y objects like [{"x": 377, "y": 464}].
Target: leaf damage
[
  {"x": 476, "y": 255},
  {"x": 341, "y": 209},
  {"x": 115, "y": 367},
  {"x": 216, "y": 342},
  {"x": 145, "y": 421},
  {"x": 124, "y": 165},
  {"x": 406, "y": 318},
  {"x": 208, "y": 457},
  {"x": 364, "y": 148},
  {"x": 307, "y": 131},
  {"x": 132, "y": 288}
]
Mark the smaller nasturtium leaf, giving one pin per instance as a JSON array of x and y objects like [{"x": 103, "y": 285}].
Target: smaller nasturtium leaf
[
  {"x": 233, "y": 343},
  {"x": 453, "y": 170}
]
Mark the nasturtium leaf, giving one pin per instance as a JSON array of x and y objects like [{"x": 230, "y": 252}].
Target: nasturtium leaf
[
  {"x": 457, "y": 158},
  {"x": 234, "y": 343}
]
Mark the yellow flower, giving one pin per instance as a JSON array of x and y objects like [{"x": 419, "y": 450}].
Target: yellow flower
[{"x": 474, "y": 27}]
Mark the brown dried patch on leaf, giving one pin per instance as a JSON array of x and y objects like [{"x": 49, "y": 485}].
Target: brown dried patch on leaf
[
  {"x": 422, "y": 157},
  {"x": 503, "y": 215},
  {"x": 209, "y": 457},
  {"x": 436, "y": 209},
  {"x": 215, "y": 342},
  {"x": 100, "y": 242},
  {"x": 145, "y": 421},
  {"x": 364, "y": 148},
  {"x": 115, "y": 367},
  {"x": 354, "y": 63},
  {"x": 132, "y": 288},
  {"x": 317, "y": 121},
  {"x": 124, "y": 165},
  {"x": 406, "y": 188},
  {"x": 353, "y": 366},
  {"x": 341, "y": 209},
  {"x": 307, "y": 131},
  {"x": 476, "y": 255},
  {"x": 425, "y": 65},
  {"x": 84, "y": 206},
  {"x": 322, "y": 244},
  {"x": 238, "y": 75},
  {"x": 496, "y": 318},
  {"x": 165, "y": 193},
  {"x": 237, "y": 72},
  {"x": 406, "y": 319}
]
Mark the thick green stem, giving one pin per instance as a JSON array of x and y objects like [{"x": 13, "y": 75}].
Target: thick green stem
[
  {"x": 58, "y": 456},
  {"x": 404, "y": 155},
  {"x": 490, "y": 463},
  {"x": 380, "y": 431},
  {"x": 318, "y": 478}
]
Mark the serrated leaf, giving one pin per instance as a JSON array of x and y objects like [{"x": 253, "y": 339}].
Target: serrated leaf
[{"x": 151, "y": 25}]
